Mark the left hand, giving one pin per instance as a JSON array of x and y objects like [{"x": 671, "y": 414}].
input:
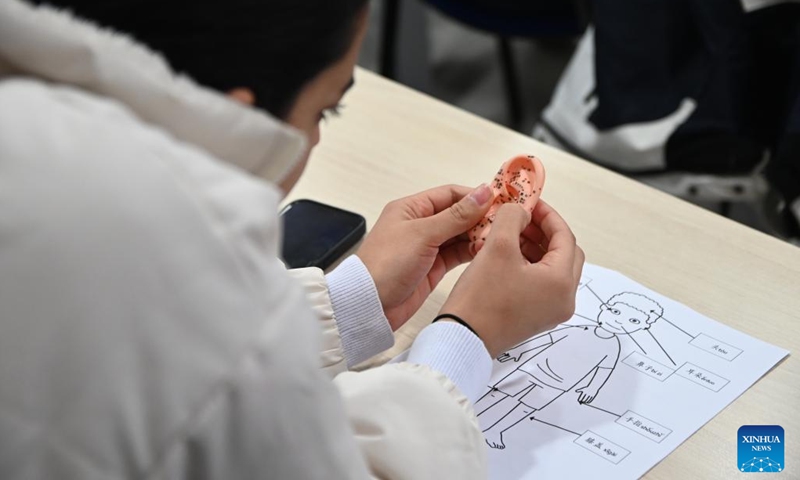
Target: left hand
[
  {"x": 416, "y": 241},
  {"x": 507, "y": 356}
]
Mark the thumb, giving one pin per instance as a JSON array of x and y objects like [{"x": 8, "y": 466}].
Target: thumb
[
  {"x": 460, "y": 216},
  {"x": 509, "y": 223}
]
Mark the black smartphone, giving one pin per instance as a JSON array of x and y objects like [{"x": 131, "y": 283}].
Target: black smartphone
[{"x": 316, "y": 235}]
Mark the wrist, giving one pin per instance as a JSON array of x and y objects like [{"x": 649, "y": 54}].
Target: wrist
[
  {"x": 451, "y": 349},
  {"x": 383, "y": 286},
  {"x": 472, "y": 322},
  {"x": 357, "y": 310},
  {"x": 456, "y": 319},
  {"x": 374, "y": 273}
]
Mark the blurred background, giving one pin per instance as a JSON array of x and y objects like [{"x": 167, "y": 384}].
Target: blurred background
[{"x": 699, "y": 98}]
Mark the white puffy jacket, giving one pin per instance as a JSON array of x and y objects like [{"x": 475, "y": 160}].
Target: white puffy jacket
[{"x": 146, "y": 328}]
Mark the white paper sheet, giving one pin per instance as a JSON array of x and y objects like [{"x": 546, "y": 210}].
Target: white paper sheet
[{"x": 610, "y": 401}]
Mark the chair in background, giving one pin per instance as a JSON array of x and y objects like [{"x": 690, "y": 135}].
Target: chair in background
[{"x": 506, "y": 19}]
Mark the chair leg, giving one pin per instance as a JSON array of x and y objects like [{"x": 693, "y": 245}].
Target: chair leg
[
  {"x": 725, "y": 209},
  {"x": 388, "y": 60},
  {"x": 513, "y": 97}
]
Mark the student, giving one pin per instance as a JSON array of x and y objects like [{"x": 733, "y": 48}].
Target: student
[{"x": 147, "y": 329}]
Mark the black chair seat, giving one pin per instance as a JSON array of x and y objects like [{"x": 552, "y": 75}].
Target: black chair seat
[{"x": 514, "y": 18}]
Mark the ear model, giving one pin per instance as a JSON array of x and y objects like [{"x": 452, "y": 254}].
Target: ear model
[{"x": 520, "y": 180}]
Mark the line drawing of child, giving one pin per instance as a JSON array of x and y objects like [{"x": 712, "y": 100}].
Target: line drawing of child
[{"x": 562, "y": 358}]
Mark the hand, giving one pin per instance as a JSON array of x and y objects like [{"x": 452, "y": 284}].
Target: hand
[
  {"x": 523, "y": 281},
  {"x": 587, "y": 394},
  {"x": 506, "y": 357},
  {"x": 416, "y": 241}
]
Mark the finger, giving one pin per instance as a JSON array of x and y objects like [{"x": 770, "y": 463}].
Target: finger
[
  {"x": 537, "y": 240},
  {"x": 448, "y": 259},
  {"x": 534, "y": 234},
  {"x": 509, "y": 222},
  {"x": 439, "y": 199},
  {"x": 464, "y": 237},
  {"x": 459, "y": 216},
  {"x": 533, "y": 252},
  {"x": 547, "y": 220},
  {"x": 436, "y": 273},
  {"x": 455, "y": 255},
  {"x": 561, "y": 240},
  {"x": 476, "y": 247}
]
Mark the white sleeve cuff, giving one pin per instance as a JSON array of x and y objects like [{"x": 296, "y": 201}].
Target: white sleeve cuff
[
  {"x": 453, "y": 350},
  {"x": 363, "y": 327}
]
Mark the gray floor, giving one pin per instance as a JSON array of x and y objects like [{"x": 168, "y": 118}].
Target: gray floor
[{"x": 461, "y": 66}]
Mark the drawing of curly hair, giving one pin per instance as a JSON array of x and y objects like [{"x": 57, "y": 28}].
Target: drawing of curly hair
[{"x": 640, "y": 302}]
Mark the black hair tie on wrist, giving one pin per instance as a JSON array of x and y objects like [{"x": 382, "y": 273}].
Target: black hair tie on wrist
[{"x": 458, "y": 320}]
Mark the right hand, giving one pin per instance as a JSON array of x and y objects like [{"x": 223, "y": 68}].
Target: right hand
[
  {"x": 587, "y": 394},
  {"x": 523, "y": 281}
]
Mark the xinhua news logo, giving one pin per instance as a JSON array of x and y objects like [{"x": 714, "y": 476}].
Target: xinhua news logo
[{"x": 760, "y": 449}]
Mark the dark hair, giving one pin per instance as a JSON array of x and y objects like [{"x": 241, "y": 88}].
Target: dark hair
[{"x": 274, "y": 47}]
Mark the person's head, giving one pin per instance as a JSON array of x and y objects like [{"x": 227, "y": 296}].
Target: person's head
[
  {"x": 292, "y": 58},
  {"x": 628, "y": 312}
]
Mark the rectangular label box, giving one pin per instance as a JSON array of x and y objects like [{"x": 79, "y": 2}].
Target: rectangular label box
[
  {"x": 715, "y": 347},
  {"x": 602, "y": 447},
  {"x": 701, "y": 376},
  {"x": 649, "y": 367},
  {"x": 644, "y": 426}
]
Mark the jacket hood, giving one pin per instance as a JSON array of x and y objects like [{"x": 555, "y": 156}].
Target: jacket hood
[{"x": 54, "y": 46}]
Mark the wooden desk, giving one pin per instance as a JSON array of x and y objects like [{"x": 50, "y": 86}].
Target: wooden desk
[{"x": 392, "y": 142}]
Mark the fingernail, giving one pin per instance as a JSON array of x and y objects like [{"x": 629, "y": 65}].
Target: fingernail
[{"x": 481, "y": 195}]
